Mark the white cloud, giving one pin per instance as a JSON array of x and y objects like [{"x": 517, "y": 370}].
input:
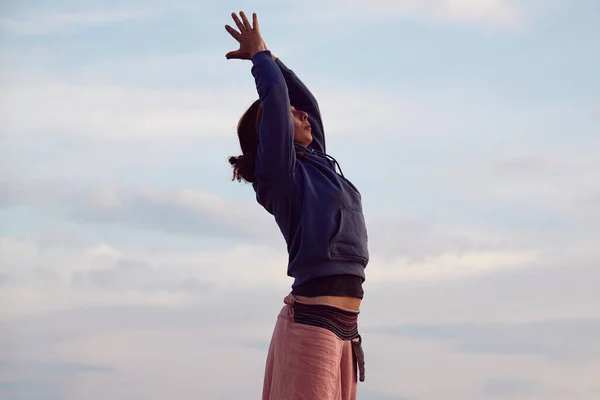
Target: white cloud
[
  {"x": 564, "y": 182},
  {"x": 501, "y": 12},
  {"x": 450, "y": 265},
  {"x": 36, "y": 24},
  {"x": 183, "y": 212},
  {"x": 117, "y": 111},
  {"x": 103, "y": 274}
]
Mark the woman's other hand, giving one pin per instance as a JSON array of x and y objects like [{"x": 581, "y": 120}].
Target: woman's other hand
[{"x": 249, "y": 38}]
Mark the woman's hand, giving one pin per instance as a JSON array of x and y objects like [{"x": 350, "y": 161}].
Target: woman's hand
[{"x": 249, "y": 38}]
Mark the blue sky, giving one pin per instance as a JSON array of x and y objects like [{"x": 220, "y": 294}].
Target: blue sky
[{"x": 132, "y": 267}]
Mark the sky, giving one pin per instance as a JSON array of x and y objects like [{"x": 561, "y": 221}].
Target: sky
[{"x": 132, "y": 267}]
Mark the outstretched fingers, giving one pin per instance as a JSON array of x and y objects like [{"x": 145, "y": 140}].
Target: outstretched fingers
[
  {"x": 236, "y": 35},
  {"x": 247, "y": 24},
  {"x": 239, "y": 23},
  {"x": 243, "y": 25}
]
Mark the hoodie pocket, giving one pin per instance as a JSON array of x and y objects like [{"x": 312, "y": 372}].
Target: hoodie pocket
[{"x": 350, "y": 239}]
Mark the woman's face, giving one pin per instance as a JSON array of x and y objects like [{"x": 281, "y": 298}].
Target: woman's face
[{"x": 302, "y": 129}]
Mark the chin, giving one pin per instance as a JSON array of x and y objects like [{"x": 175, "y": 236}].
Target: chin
[{"x": 304, "y": 140}]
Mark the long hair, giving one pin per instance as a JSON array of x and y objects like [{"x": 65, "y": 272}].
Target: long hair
[{"x": 247, "y": 130}]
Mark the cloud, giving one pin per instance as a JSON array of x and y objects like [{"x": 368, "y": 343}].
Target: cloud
[
  {"x": 591, "y": 204},
  {"x": 24, "y": 386},
  {"x": 410, "y": 240},
  {"x": 57, "y": 367},
  {"x": 560, "y": 184},
  {"x": 510, "y": 388},
  {"x": 496, "y": 12},
  {"x": 102, "y": 274},
  {"x": 49, "y": 23},
  {"x": 28, "y": 389},
  {"x": 450, "y": 265},
  {"x": 40, "y": 380},
  {"x": 563, "y": 341},
  {"x": 375, "y": 395},
  {"x": 516, "y": 388},
  {"x": 128, "y": 276},
  {"x": 564, "y": 291},
  {"x": 114, "y": 111},
  {"x": 180, "y": 212}
]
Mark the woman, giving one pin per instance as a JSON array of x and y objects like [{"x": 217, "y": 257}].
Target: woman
[{"x": 315, "y": 350}]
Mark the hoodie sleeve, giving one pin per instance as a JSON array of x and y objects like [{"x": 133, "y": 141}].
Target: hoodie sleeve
[
  {"x": 276, "y": 156},
  {"x": 303, "y": 99}
]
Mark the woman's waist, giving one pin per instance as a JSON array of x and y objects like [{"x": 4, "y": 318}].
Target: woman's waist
[
  {"x": 340, "y": 320},
  {"x": 343, "y": 302},
  {"x": 347, "y": 303}
]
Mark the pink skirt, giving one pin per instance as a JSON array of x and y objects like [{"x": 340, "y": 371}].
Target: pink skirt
[{"x": 307, "y": 362}]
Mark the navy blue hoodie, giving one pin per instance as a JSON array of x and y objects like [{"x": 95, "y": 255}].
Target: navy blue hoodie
[{"x": 318, "y": 210}]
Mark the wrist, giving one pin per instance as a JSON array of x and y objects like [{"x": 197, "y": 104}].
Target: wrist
[{"x": 258, "y": 49}]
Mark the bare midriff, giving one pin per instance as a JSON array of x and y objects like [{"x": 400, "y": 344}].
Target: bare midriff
[{"x": 348, "y": 303}]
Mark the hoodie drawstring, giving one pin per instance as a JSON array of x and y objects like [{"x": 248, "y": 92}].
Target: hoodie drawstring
[{"x": 325, "y": 155}]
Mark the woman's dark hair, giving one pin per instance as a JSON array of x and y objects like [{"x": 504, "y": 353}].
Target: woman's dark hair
[{"x": 247, "y": 129}]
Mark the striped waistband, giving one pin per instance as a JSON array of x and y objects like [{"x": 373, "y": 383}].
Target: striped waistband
[{"x": 343, "y": 323}]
